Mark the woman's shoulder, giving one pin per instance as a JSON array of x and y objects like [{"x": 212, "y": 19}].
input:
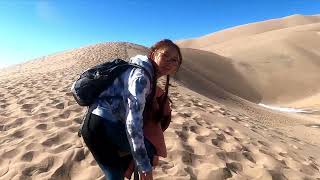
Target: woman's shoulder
[
  {"x": 139, "y": 73},
  {"x": 145, "y": 65}
]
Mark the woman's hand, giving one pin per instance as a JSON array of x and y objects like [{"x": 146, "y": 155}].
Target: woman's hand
[{"x": 146, "y": 176}]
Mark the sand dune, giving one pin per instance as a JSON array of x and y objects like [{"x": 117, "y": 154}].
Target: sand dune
[
  {"x": 202, "y": 66},
  {"x": 218, "y": 130},
  {"x": 214, "y": 133},
  {"x": 248, "y": 30},
  {"x": 280, "y": 57}
]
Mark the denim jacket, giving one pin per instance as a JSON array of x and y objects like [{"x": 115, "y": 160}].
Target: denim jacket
[{"x": 126, "y": 99}]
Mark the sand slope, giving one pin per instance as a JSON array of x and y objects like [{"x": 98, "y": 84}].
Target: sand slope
[
  {"x": 218, "y": 70},
  {"x": 280, "y": 57},
  {"x": 214, "y": 135},
  {"x": 248, "y": 30}
]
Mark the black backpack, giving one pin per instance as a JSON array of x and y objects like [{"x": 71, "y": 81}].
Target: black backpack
[{"x": 93, "y": 81}]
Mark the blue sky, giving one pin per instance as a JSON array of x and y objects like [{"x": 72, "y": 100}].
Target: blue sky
[{"x": 34, "y": 28}]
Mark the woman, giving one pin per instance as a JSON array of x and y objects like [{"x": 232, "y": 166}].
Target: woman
[{"x": 114, "y": 129}]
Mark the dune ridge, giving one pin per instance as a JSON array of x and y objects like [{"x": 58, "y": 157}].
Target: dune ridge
[{"x": 248, "y": 30}]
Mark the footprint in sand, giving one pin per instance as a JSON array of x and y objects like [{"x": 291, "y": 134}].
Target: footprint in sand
[
  {"x": 3, "y": 106},
  {"x": 10, "y": 154},
  {"x": 220, "y": 173},
  {"x": 41, "y": 115},
  {"x": 42, "y": 126},
  {"x": 203, "y": 139},
  {"x": 187, "y": 148},
  {"x": 32, "y": 146},
  {"x": 77, "y": 109},
  {"x": 3, "y": 101},
  {"x": 61, "y": 148},
  {"x": 185, "y": 114},
  {"x": 19, "y": 133},
  {"x": 73, "y": 129},
  {"x": 69, "y": 94},
  {"x": 62, "y": 123},
  {"x": 165, "y": 165},
  {"x": 182, "y": 135},
  {"x": 249, "y": 156},
  {"x": 79, "y": 154},
  {"x": 71, "y": 103},
  {"x": 235, "y": 156},
  {"x": 78, "y": 120},
  {"x": 28, "y": 107},
  {"x": 43, "y": 166},
  {"x": 202, "y": 131},
  {"x": 191, "y": 173},
  {"x": 59, "y": 105},
  {"x": 65, "y": 114},
  {"x": 28, "y": 156},
  {"x": 219, "y": 140},
  {"x": 51, "y": 141},
  {"x": 187, "y": 157},
  {"x": 21, "y": 101},
  {"x": 235, "y": 167},
  {"x": 16, "y": 123}
]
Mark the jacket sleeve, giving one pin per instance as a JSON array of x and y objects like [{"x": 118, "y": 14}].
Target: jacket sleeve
[{"x": 139, "y": 86}]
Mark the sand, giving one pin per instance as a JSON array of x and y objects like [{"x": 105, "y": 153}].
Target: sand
[
  {"x": 279, "y": 57},
  {"x": 218, "y": 130}
]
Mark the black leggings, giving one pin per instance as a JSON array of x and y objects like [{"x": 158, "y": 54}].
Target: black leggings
[{"x": 106, "y": 138}]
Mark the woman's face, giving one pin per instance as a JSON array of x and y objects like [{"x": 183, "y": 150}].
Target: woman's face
[{"x": 167, "y": 59}]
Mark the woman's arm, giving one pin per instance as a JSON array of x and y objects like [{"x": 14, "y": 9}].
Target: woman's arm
[{"x": 139, "y": 86}]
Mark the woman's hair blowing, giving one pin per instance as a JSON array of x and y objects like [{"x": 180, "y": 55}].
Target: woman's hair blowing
[{"x": 164, "y": 43}]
